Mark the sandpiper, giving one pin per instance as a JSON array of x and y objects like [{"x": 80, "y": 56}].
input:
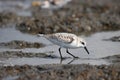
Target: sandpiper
[{"x": 66, "y": 40}]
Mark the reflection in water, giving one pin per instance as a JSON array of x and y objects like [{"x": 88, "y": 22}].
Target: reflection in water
[
  {"x": 94, "y": 61},
  {"x": 62, "y": 60},
  {"x": 42, "y": 61},
  {"x": 71, "y": 61}
]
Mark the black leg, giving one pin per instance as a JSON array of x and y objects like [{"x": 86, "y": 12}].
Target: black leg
[
  {"x": 71, "y": 54},
  {"x": 60, "y": 52}
]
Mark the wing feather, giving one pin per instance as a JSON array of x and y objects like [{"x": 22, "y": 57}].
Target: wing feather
[{"x": 62, "y": 37}]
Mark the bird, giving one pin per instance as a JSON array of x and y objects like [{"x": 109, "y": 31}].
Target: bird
[{"x": 67, "y": 41}]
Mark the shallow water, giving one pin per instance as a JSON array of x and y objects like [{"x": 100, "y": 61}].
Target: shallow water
[
  {"x": 19, "y": 7},
  {"x": 97, "y": 47}
]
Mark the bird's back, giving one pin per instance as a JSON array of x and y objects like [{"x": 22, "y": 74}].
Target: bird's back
[{"x": 61, "y": 37}]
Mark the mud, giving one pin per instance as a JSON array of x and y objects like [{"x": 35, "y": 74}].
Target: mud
[
  {"x": 114, "y": 39},
  {"x": 58, "y": 72},
  {"x": 21, "y": 44},
  {"x": 83, "y": 17},
  {"x": 115, "y": 59},
  {"x": 12, "y": 54},
  {"x": 7, "y": 18}
]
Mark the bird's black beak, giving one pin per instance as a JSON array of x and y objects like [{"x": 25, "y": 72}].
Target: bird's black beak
[{"x": 86, "y": 50}]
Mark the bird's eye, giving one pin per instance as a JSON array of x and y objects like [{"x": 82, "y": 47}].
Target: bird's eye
[{"x": 83, "y": 43}]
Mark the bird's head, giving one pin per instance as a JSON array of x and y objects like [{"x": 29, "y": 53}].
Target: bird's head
[{"x": 82, "y": 43}]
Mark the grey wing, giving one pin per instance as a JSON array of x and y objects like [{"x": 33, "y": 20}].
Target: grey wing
[{"x": 62, "y": 38}]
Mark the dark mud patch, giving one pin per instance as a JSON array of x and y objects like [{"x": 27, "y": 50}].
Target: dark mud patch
[
  {"x": 21, "y": 44},
  {"x": 9, "y": 18},
  {"x": 78, "y": 16},
  {"x": 12, "y": 54},
  {"x": 61, "y": 72},
  {"x": 114, "y": 39},
  {"x": 54, "y": 24},
  {"x": 113, "y": 59}
]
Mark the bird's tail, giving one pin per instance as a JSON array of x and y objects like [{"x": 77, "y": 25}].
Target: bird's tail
[{"x": 40, "y": 35}]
